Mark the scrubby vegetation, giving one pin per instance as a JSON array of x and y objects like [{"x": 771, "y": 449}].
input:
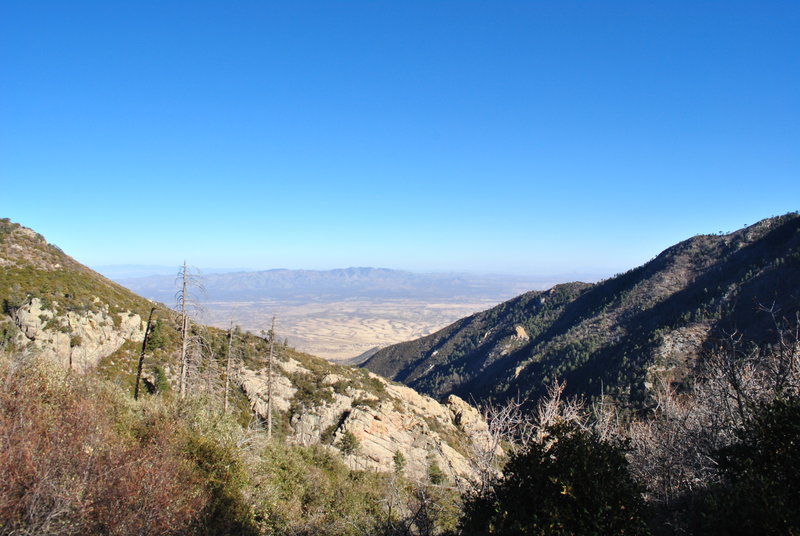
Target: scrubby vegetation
[
  {"x": 719, "y": 457},
  {"x": 76, "y": 457},
  {"x": 759, "y": 487},
  {"x": 35, "y": 268},
  {"x": 714, "y": 450},
  {"x": 79, "y": 456}
]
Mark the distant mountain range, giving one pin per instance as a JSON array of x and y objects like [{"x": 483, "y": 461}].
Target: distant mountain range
[
  {"x": 619, "y": 335},
  {"x": 132, "y": 271},
  {"x": 341, "y": 284}
]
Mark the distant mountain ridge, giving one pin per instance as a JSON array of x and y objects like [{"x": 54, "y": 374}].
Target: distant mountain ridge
[
  {"x": 617, "y": 335},
  {"x": 340, "y": 284}
]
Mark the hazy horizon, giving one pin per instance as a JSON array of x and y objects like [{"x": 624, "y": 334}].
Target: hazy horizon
[
  {"x": 128, "y": 271},
  {"x": 500, "y": 137},
  {"x": 339, "y": 314}
]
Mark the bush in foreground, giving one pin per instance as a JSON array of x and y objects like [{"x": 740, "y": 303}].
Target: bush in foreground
[
  {"x": 759, "y": 492},
  {"x": 79, "y": 456},
  {"x": 570, "y": 482},
  {"x": 67, "y": 468}
]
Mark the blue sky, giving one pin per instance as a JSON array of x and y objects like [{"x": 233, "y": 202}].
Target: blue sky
[{"x": 517, "y": 137}]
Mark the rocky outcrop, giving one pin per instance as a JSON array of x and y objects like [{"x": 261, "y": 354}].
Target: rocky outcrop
[
  {"x": 74, "y": 339},
  {"x": 254, "y": 383},
  {"x": 384, "y": 418},
  {"x": 676, "y": 353}
]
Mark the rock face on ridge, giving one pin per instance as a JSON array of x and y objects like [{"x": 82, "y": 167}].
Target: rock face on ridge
[
  {"x": 58, "y": 308},
  {"x": 75, "y": 340},
  {"x": 384, "y": 418}
]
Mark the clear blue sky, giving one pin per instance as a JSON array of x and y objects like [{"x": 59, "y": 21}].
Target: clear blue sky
[{"x": 518, "y": 136}]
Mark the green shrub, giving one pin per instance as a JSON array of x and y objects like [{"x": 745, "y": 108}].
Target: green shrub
[
  {"x": 310, "y": 391},
  {"x": 227, "y": 511},
  {"x": 760, "y": 488},
  {"x": 571, "y": 483},
  {"x": 326, "y": 437},
  {"x": 160, "y": 381},
  {"x": 348, "y": 443},
  {"x": 366, "y": 402},
  {"x": 399, "y": 462},
  {"x": 309, "y": 490},
  {"x": 158, "y": 337},
  {"x": 435, "y": 474}
]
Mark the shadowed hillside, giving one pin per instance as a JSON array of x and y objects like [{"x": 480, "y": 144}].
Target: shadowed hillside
[{"x": 616, "y": 335}]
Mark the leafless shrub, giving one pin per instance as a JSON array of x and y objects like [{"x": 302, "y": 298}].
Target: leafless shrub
[
  {"x": 670, "y": 449},
  {"x": 673, "y": 445},
  {"x": 554, "y": 409},
  {"x": 508, "y": 427},
  {"x": 414, "y": 509},
  {"x": 512, "y": 428}
]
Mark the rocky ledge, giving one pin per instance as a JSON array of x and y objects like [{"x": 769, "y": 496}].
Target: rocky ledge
[
  {"x": 75, "y": 339},
  {"x": 378, "y": 425}
]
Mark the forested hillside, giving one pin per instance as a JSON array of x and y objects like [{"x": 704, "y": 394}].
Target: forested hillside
[{"x": 617, "y": 336}]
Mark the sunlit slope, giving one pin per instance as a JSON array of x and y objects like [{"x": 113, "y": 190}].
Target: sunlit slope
[{"x": 57, "y": 308}]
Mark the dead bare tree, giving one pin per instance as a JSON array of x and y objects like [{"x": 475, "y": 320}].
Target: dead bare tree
[
  {"x": 207, "y": 367},
  {"x": 786, "y": 363},
  {"x": 269, "y": 379},
  {"x": 507, "y": 427},
  {"x": 554, "y": 409},
  {"x": 183, "y": 299},
  {"x": 186, "y": 302},
  {"x": 605, "y": 418}
]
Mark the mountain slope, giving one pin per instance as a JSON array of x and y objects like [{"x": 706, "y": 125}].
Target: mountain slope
[
  {"x": 56, "y": 307},
  {"x": 616, "y": 334}
]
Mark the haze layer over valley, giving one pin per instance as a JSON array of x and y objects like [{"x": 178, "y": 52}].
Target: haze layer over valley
[{"x": 341, "y": 314}]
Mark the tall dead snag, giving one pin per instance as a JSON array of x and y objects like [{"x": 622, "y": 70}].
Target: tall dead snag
[
  {"x": 269, "y": 379},
  {"x": 141, "y": 354},
  {"x": 182, "y": 300},
  {"x": 185, "y": 302},
  {"x": 228, "y": 370}
]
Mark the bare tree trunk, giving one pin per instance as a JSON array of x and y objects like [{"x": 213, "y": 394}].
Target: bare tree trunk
[
  {"x": 184, "y": 332},
  {"x": 269, "y": 380},
  {"x": 228, "y": 370},
  {"x": 141, "y": 355}
]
